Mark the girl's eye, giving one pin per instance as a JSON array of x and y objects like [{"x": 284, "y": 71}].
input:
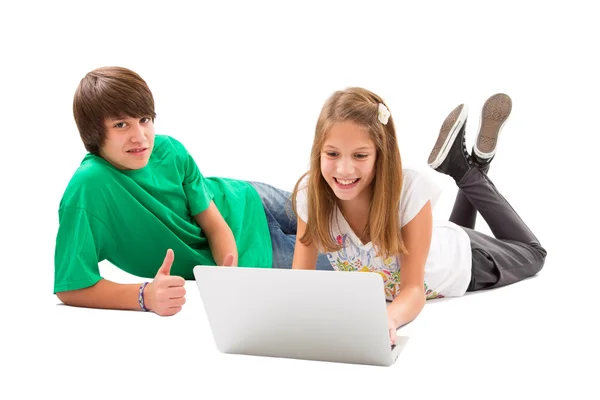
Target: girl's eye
[
  {"x": 361, "y": 156},
  {"x": 331, "y": 154}
]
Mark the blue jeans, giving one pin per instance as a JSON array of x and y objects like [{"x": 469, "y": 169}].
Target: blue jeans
[{"x": 282, "y": 226}]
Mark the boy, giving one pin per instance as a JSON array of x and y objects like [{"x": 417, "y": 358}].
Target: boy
[{"x": 139, "y": 201}]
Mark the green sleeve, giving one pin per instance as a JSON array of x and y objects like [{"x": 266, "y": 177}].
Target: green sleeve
[
  {"x": 80, "y": 243},
  {"x": 194, "y": 185}
]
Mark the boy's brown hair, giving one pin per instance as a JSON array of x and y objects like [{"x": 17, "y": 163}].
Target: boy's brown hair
[{"x": 109, "y": 92}]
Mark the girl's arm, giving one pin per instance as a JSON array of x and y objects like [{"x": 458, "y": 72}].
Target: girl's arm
[
  {"x": 305, "y": 257},
  {"x": 411, "y": 298}
]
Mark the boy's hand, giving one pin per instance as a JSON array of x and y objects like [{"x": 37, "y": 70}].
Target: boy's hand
[
  {"x": 228, "y": 261},
  {"x": 165, "y": 295}
]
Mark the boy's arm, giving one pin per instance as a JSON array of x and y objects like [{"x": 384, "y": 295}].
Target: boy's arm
[
  {"x": 219, "y": 235},
  {"x": 165, "y": 295},
  {"x": 104, "y": 294}
]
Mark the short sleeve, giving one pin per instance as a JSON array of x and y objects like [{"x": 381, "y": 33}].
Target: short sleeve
[
  {"x": 417, "y": 189},
  {"x": 80, "y": 242},
  {"x": 302, "y": 200},
  {"x": 196, "y": 190}
]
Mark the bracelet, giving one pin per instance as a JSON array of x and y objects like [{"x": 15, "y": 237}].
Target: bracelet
[{"x": 141, "y": 296}]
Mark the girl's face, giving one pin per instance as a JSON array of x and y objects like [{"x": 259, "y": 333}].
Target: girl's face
[{"x": 348, "y": 161}]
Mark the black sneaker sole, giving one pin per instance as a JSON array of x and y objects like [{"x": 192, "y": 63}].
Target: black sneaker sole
[
  {"x": 494, "y": 113},
  {"x": 450, "y": 128}
]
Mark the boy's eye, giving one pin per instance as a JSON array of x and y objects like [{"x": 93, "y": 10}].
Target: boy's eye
[
  {"x": 145, "y": 120},
  {"x": 120, "y": 125}
]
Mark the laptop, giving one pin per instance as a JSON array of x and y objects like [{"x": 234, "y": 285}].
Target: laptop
[{"x": 301, "y": 314}]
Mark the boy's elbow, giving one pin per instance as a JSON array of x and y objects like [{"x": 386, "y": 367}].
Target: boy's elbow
[
  {"x": 71, "y": 297},
  {"x": 66, "y": 297}
]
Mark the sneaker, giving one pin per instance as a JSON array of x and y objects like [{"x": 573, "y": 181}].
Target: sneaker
[
  {"x": 494, "y": 114},
  {"x": 449, "y": 154}
]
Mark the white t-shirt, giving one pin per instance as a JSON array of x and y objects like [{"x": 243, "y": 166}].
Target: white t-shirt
[{"x": 448, "y": 265}]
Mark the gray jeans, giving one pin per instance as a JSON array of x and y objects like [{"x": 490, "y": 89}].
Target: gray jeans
[{"x": 514, "y": 253}]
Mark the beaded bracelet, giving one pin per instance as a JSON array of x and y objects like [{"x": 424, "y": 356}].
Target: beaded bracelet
[{"x": 141, "y": 296}]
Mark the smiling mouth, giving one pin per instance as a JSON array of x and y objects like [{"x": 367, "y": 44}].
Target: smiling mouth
[
  {"x": 346, "y": 182},
  {"x": 141, "y": 149}
]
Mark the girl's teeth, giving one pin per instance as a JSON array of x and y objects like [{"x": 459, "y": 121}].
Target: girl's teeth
[{"x": 346, "y": 182}]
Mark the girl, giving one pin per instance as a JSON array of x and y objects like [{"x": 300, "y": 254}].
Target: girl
[{"x": 358, "y": 204}]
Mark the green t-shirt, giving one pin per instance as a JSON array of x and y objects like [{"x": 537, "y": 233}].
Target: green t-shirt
[{"x": 131, "y": 218}]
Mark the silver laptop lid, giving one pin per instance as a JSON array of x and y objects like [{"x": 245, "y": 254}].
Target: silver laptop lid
[{"x": 304, "y": 314}]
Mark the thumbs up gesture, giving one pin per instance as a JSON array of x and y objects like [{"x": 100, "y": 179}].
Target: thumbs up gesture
[{"x": 165, "y": 295}]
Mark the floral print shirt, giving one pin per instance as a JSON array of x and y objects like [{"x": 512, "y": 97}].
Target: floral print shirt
[{"x": 448, "y": 265}]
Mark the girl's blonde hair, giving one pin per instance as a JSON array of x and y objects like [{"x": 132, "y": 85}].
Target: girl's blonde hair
[{"x": 361, "y": 107}]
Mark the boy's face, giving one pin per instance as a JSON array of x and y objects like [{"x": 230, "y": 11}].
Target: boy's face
[{"x": 129, "y": 142}]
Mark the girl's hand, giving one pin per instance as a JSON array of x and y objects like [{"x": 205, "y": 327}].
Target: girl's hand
[{"x": 392, "y": 327}]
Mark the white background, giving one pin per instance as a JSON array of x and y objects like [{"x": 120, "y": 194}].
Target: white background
[{"x": 241, "y": 85}]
